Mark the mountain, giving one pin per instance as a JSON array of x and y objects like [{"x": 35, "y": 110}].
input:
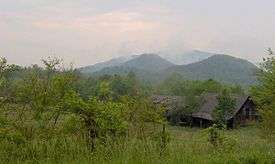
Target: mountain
[
  {"x": 189, "y": 57},
  {"x": 149, "y": 62},
  {"x": 151, "y": 67},
  {"x": 144, "y": 62},
  {"x": 145, "y": 66},
  {"x": 110, "y": 63},
  {"x": 222, "y": 68}
]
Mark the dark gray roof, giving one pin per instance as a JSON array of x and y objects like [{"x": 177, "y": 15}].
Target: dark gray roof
[
  {"x": 211, "y": 101},
  {"x": 170, "y": 102},
  {"x": 206, "y": 109}
]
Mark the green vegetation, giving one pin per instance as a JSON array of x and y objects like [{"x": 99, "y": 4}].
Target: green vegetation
[
  {"x": 224, "y": 109},
  {"x": 186, "y": 145},
  {"x": 264, "y": 95},
  {"x": 193, "y": 95},
  {"x": 52, "y": 114},
  {"x": 52, "y": 103},
  {"x": 178, "y": 85}
]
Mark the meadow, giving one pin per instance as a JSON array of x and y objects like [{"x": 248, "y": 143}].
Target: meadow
[{"x": 187, "y": 145}]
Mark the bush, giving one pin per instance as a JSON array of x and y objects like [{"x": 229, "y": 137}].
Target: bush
[{"x": 219, "y": 141}]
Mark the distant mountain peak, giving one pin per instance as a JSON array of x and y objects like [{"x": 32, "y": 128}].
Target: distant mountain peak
[
  {"x": 147, "y": 61},
  {"x": 221, "y": 67},
  {"x": 189, "y": 57},
  {"x": 149, "y": 56},
  {"x": 151, "y": 62},
  {"x": 227, "y": 58}
]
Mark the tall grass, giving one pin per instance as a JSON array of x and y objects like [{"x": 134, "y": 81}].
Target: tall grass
[{"x": 186, "y": 146}]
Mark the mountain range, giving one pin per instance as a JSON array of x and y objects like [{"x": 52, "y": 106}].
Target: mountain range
[
  {"x": 153, "y": 68},
  {"x": 185, "y": 58}
]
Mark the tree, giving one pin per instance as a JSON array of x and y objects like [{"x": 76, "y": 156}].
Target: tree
[
  {"x": 264, "y": 94},
  {"x": 4, "y": 67},
  {"x": 104, "y": 91},
  {"x": 119, "y": 87},
  {"x": 6, "y": 75},
  {"x": 132, "y": 83},
  {"x": 225, "y": 107},
  {"x": 142, "y": 114},
  {"x": 213, "y": 86},
  {"x": 43, "y": 91},
  {"x": 51, "y": 64}
]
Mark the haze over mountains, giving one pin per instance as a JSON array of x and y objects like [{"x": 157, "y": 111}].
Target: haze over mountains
[
  {"x": 186, "y": 58},
  {"x": 110, "y": 63},
  {"x": 195, "y": 65}
]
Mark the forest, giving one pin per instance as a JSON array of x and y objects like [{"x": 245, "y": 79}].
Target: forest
[{"x": 55, "y": 114}]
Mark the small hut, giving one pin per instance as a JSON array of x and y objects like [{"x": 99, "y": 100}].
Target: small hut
[{"x": 243, "y": 113}]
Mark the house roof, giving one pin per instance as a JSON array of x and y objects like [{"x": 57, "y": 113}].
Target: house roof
[
  {"x": 171, "y": 103},
  {"x": 211, "y": 101},
  {"x": 207, "y": 107}
]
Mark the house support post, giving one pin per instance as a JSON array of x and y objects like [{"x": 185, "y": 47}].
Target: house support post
[
  {"x": 233, "y": 122},
  {"x": 200, "y": 123}
]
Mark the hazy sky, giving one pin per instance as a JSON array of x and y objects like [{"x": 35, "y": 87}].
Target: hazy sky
[{"x": 89, "y": 31}]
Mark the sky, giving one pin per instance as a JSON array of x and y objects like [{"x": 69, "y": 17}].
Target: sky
[{"x": 85, "y": 32}]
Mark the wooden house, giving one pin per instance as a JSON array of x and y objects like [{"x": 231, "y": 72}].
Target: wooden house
[{"x": 243, "y": 113}]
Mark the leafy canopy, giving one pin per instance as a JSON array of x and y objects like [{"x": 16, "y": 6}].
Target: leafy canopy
[
  {"x": 264, "y": 94},
  {"x": 225, "y": 107}
]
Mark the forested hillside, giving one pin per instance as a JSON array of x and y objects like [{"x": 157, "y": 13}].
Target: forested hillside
[
  {"x": 144, "y": 62},
  {"x": 152, "y": 68},
  {"x": 222, "y": 68},
  {"x": 110, "y": 63}
]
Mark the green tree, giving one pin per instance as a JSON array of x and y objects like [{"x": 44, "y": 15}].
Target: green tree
[
  {"x": 6, "y": 82},
  {"x": 119, "y": 87},
  {"x": 264, "y": 94},
  {"x": 225, "y": 107},
  {"x": 104, "y": 91},
  {"x": 212, "y": 86},
  {"x": 141, "y": 115},
  {"x": 133, "y": 84},
  {"x": 43, "y": 92},
  {"x": 4, "y": 67}
]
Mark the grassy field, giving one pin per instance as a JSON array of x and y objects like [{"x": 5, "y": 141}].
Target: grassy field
[{"x": 187, "y": 145}]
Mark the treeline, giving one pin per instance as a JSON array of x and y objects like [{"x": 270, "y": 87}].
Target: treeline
[{"x": 177, "y": 85}]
